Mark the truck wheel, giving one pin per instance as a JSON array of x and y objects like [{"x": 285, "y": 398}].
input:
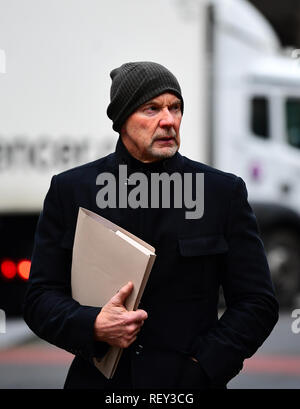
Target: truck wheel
[{"x": 283, "y": 254}]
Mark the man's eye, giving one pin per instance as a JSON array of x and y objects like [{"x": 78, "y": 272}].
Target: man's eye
[{"x": 151, "y": 109}]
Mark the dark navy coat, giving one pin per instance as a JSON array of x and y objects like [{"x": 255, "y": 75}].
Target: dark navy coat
[{"x": 195, "y": 257}]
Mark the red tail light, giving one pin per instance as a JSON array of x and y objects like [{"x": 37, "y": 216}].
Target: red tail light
[
  {"x": 24, "y": 269},
  {"x": 8, "y": 269}
]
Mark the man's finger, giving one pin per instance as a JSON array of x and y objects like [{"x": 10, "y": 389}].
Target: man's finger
[
  {"x": 135, "y": 317},
  {"x": 141, "y": 315},
  {"x": 123, "y": 293}
]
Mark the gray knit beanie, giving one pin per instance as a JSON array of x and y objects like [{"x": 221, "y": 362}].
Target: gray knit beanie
[{"x": 135, "y": 83}]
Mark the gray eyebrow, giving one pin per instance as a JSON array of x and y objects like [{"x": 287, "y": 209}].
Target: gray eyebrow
[{"x": 152, "y": 101}]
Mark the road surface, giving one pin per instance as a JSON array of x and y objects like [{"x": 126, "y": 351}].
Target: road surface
[{"x": 34, "y": 364}]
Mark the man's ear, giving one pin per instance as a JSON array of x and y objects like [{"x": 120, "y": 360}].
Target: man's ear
[{"x": 123, "y": 130}]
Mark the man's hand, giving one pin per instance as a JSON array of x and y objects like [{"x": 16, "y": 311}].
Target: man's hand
[{"x": 117, "y": 326}]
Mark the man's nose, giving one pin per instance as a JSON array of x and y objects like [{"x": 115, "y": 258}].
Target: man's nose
[{"x": 167, "y": 119}]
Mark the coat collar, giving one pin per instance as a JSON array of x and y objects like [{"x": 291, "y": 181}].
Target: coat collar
[{"x": 123, "y": 157}]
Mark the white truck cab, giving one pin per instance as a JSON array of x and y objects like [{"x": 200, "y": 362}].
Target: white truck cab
[{"x": 256, "y": 131}]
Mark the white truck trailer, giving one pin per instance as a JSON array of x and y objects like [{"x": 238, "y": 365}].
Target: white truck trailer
[{"x": 242, "y": 109}]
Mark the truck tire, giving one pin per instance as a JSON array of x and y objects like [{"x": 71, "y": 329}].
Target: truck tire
[{"x": 283, "y": 253}]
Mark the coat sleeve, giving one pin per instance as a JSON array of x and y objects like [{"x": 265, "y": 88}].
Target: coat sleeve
[
  {"x": 48, "y": 307},
  {"x": 251, "y": 306}
]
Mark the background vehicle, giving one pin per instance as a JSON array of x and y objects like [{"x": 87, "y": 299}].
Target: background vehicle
[{"x": 241, "y": 113}]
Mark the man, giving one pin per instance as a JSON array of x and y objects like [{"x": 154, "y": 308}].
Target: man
[{"x": 174, "y": 339}]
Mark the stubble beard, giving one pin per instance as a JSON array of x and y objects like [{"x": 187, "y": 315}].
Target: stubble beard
[{"x": 165, "y": 152}]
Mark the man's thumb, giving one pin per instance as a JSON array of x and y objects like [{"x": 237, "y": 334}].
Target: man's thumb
[{"x": 123, "y": 293}]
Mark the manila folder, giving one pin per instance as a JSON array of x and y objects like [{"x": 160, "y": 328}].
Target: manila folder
[{"x": 105, "y": 258}]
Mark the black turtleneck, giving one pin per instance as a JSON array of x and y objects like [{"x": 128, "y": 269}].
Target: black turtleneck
[{"x": 123, "y": 157}]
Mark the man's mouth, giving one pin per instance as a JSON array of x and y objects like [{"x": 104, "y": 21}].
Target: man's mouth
[{"x": 165, "y": 139}]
